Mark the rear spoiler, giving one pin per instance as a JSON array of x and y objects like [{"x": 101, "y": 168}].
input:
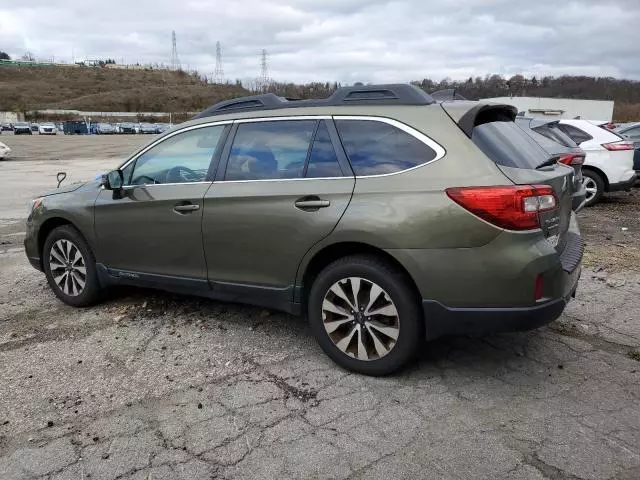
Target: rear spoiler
[{"x": 468, "y": 115}]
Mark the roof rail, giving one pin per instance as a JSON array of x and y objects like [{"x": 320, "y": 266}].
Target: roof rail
[{"x": 394, "y": 94}]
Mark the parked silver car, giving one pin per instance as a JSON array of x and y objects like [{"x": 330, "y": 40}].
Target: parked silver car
[
  {"x": 105, "y": 129},
  {"x": 148, "y": 128}
]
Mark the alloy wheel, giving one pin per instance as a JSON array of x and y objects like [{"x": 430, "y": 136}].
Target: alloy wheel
[
  {"x": 590, "y": 186},
  {"x": 360, "y": 318},
  {"x": 68, "y": 268}
]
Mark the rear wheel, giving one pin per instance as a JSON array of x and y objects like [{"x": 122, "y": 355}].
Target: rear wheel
[
  {"x": 365, "y": 316},
  {"x": 594, "y": 185},
  {"x": 70, "y": 267}
]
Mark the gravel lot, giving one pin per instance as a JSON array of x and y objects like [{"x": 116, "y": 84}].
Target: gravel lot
[{"x": 156, "y": 386}]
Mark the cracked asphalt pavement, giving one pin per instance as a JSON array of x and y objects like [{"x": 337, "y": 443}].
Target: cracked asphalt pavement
[{"x": 155, "y": 386}]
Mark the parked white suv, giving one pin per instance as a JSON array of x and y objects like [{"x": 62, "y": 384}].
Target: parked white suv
[{"x": 608, "y": 166}]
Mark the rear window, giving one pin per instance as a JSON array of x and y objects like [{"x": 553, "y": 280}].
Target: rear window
[
  {"x": 576, "y": 134},
  {"x": 552, "y": 132},
  {"x": 507, "y": 144}
]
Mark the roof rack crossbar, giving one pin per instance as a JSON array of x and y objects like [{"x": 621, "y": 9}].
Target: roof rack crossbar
[{"x": 400, "y": 94}]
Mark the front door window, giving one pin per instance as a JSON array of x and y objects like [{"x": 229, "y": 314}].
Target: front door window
[{"x": 181, "y": 158}]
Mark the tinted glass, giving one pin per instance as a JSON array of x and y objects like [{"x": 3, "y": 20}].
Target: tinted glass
[
  {"x": 631, "y": 133},
  {"x": 270, "y": 150},
  {"x": 552, "y": 132},
  {"x": 376, "y": 148},
  {"x": 182, "y": 158},
  {"x": 575, "y": 133},
  {"x": 323, "y": 161},
  {"x": 507, "y": 144}
]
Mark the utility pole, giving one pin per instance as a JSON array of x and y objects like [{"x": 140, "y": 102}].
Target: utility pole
[
  {"x": 175, "y": 61},
  {"x": 218, "y": 75},
  {"x": 264, "y": 81}
]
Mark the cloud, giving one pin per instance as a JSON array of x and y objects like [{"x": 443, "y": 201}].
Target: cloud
[{"x": 339, "y": 40}]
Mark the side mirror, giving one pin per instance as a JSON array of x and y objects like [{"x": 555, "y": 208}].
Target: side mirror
[{"x": 114, "y": 180}]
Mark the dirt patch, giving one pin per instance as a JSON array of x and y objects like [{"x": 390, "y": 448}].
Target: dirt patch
[{"x": 611, "y": 230}]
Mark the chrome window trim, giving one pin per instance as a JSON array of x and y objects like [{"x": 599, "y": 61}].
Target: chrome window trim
[
  {"x": 435, "y": 146},
  {"x": 278, "y": 119},
  {"x": 282, "y": 179},
  {"x": 172, "y": 134},
  {"x": 145, "y": 185}
]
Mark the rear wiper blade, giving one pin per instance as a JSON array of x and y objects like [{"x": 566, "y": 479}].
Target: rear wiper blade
[{"x": 547, "y": 163}]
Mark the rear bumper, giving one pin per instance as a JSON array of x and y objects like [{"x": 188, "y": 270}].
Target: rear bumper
[
  {"x": 444, "y": 321},
  {"x": 625, "y": 185}
]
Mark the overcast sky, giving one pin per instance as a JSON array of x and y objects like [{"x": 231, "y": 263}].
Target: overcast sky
[{"x": 338, "y": 40}]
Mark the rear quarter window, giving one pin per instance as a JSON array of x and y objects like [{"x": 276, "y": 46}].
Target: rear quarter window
[
  {"x": 377, "y": 148},
  {"x": 508, "y": 145}
]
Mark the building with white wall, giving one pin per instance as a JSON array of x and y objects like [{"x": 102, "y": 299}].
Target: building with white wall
[
  {"x": 599, "y": 110},
  {"x": 10, "y": 117}
]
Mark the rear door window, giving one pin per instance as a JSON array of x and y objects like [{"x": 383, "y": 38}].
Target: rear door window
[
  {"x": 376, "y": 148},
  {"x": 323, "y": 161},
  {"x": 508, "y": 145},
  {"x": 270, "y": 150}
]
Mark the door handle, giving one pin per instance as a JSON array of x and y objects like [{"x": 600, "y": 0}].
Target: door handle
[
  {"x": 311, "y": 203},
  {"x": 189, "y": 207}
]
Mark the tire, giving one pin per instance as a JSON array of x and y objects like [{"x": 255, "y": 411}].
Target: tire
[
  {"x": 396, "y": 292},
  {"x": 593, "y": 180},
  {"x": 66, "y": 243}
]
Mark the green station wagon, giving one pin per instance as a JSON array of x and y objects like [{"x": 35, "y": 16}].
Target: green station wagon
[{"x": 384, "y": 216}]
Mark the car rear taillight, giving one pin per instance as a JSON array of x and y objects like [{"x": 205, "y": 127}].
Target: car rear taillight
[
  {"x": 571, "y": 159},
  {"x": 617, "y": 146},
  {"x": 513, "y": 207}
]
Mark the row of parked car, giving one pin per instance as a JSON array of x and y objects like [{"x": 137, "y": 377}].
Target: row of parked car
[{"x": 84, "y": 128}]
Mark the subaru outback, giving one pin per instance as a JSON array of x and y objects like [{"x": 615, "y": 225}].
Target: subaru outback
[{"x": 385, "y": 217}]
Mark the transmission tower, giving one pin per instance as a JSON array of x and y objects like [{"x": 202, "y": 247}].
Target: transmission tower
[
  {"x": 264, "y": 81},
  {"x": 218, "y": 75},
  {"x": 175, "y": 61}
]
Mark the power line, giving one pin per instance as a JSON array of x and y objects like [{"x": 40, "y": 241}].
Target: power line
[
  {"x": 218, "y": 75},
  {"x": 175, "y": 60}
]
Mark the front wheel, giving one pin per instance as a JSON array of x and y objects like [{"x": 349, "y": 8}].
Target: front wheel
[
  {"x": 364, "y": 314},
  {"x": 594, "y": 185},
  {"x": 70, "y": 267}
]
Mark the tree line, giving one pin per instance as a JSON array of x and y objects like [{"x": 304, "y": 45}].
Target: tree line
[
  {"x": 625, "y": 93},
  {"x": 567, "y": 86}
]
